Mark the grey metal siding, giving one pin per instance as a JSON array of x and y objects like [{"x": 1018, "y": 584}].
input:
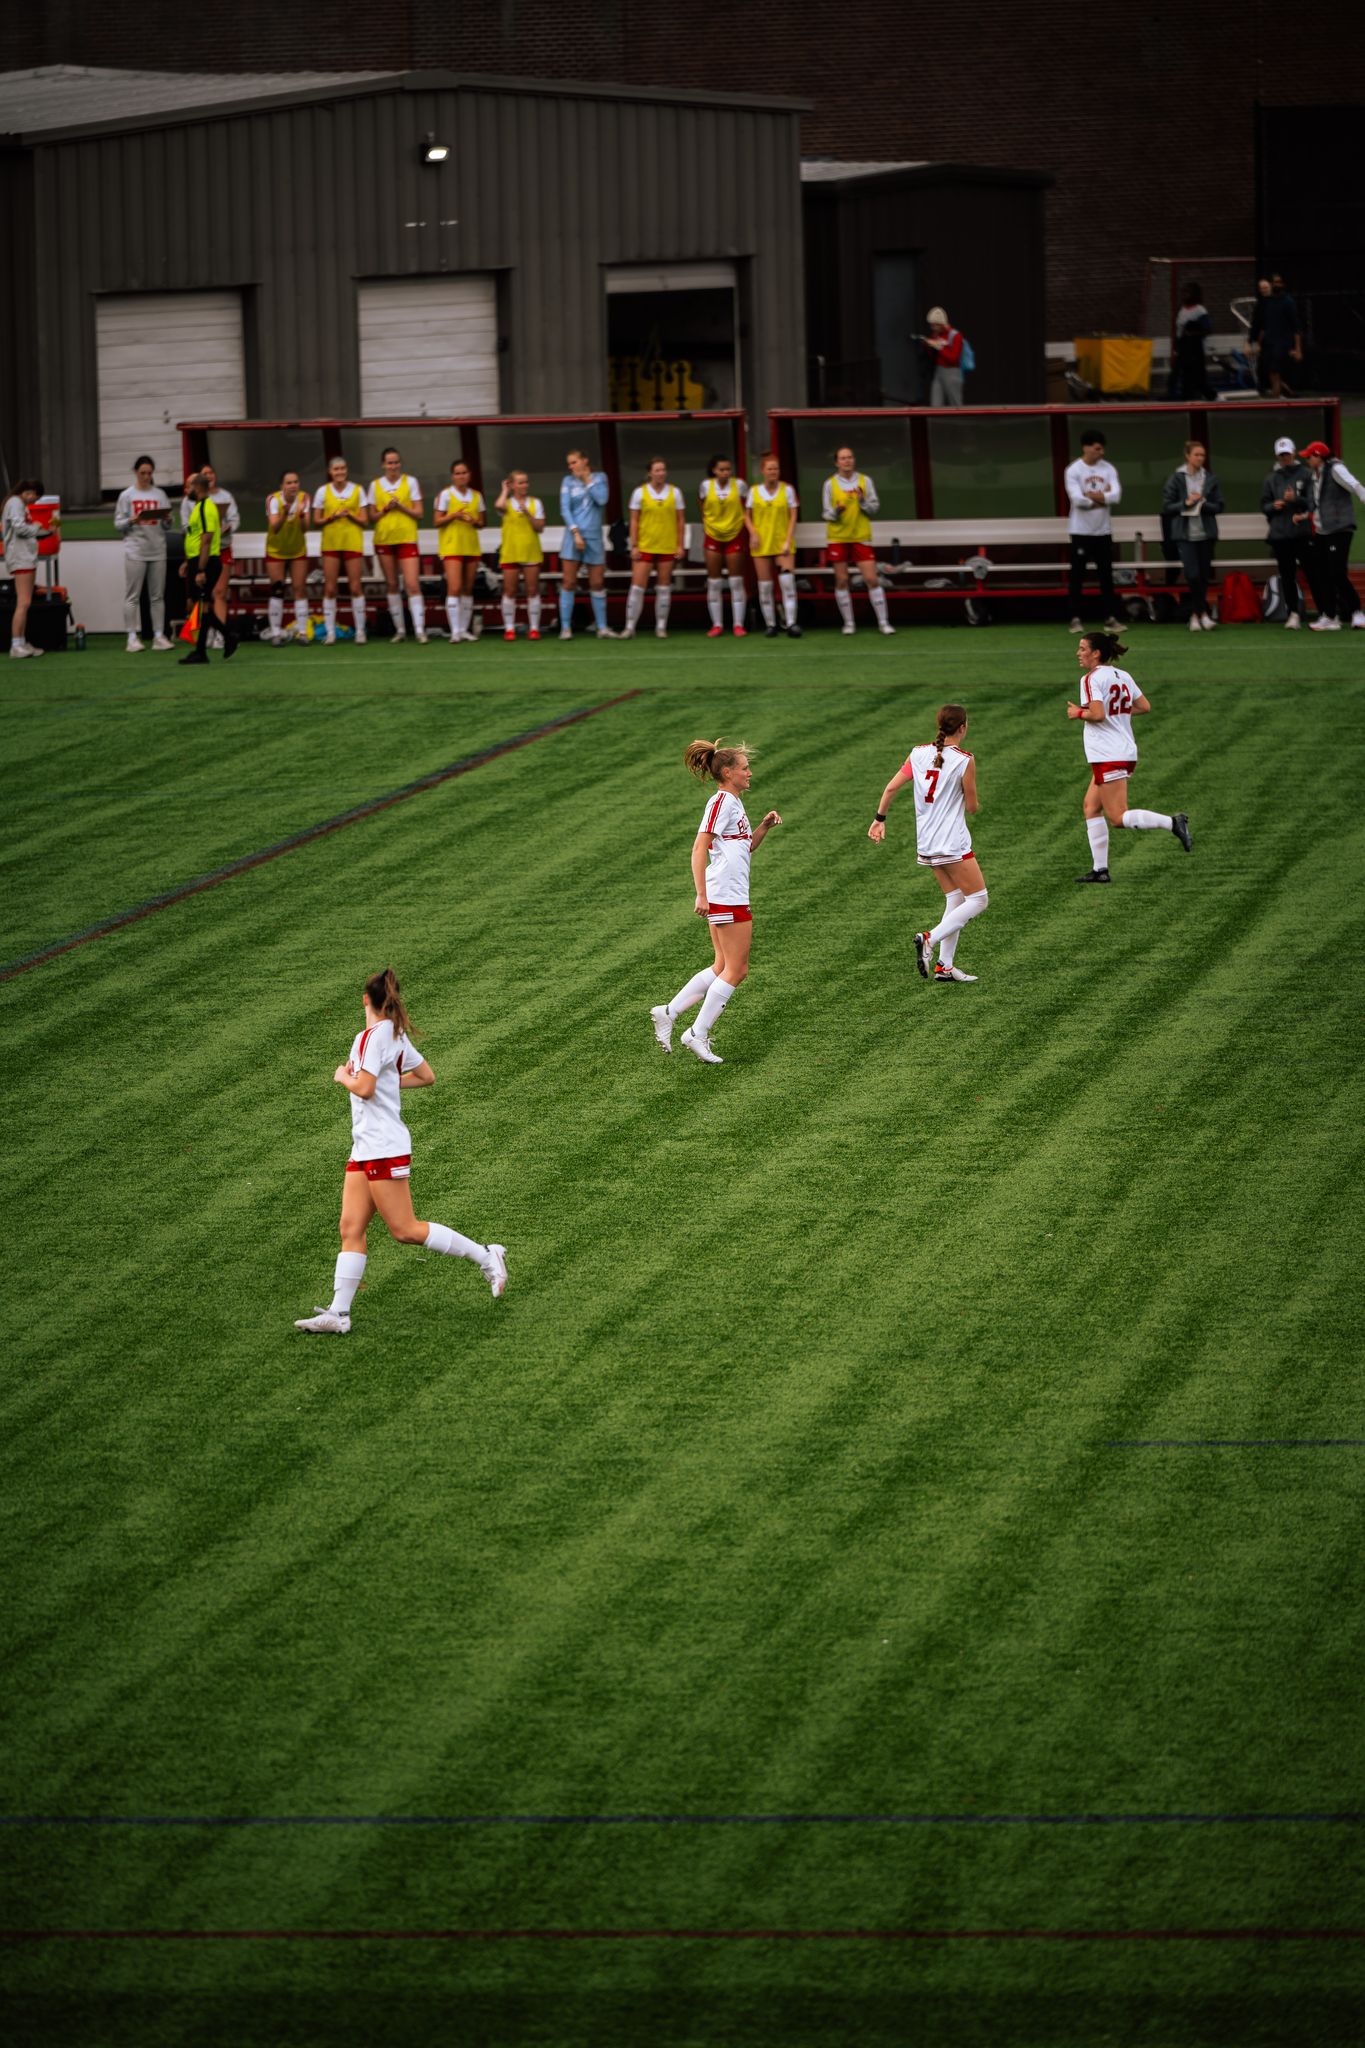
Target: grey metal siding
[{"x": 294, "y": 205}]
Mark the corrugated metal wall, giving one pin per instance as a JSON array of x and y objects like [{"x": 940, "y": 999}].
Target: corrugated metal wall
[{"x": 294, "y": 206}]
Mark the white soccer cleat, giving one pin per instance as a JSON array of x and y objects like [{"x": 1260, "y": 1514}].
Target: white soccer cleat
[
  {"x": 661, "y": 632},
  {"x": 420, "y": 638},
  {"x": 326, "y": 1323},
  {"x": 133, "y": 645},
  {"x": 886, "y": 628},
  {"x": 329, "y": 638},
  {"x": 698, "y": 1043},
  {"x": 848, "y": 628},
  {"x": 1291, "y": 624},
  {"x": 161, "y": 645},
  {"x": 663, "y": 1025},
  {"x": 1358, "y": 622},
  {"x": 924, "y": 955},
  {"x": 495, "y": 1272},
  {"x": 1208, "y": 622},
  {"x": 1194, "y": 622},
  {"x": 566, "y": 632},
  {"x": 942, "y": 973},
  {"x": 397, "y": 636},
  {"x": 626, "y": 633},
  {"x": 361, "y": 636}
]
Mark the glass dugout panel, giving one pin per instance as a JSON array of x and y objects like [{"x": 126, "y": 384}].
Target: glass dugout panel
[
  {"x": 689, "y": 447},
  {"x": 882, "y": 447},
  {"x": 1242, "y": 449},
  {"x": 541, "y": 449},
  {"x": 250, "y": 462},
  {"x": 427, "y": 452},
  {"x": 1144, "y": 448},
  {"x": 991, "y": 468}
]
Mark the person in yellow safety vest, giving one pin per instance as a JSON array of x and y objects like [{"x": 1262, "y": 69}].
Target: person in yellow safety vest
[
  {"x": 341, "y": 510},
  {"x": 847, "y": 499},
  {"x": 396, "y": 511},
  {"x": 657, "y": 532},
  {"x": 205, "y": 570}
]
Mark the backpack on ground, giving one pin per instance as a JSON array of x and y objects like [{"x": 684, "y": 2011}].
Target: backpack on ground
[
  {"x": 1273, "y": 606},
  {"x": 1238, "y": 604}
]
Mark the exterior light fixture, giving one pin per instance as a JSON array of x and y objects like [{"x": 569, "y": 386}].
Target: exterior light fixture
[{"x": 432, "y": 151}]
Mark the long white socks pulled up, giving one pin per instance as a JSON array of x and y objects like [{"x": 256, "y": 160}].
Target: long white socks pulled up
[
  {"x": 1097, "y": 832},
  {"x": 962, "y": 913},
  {"x": 358, "y": 610},
  {"x": 349, "y": 1274},
  {"x": 635, "y": 604},
  {"x": 715, "y": 601},
  {"x": 739, "y": 599},
  {"x": 788, "y": 583},
  {"x": 418, "y": 607},
  {"x": 692, "y": 992},
  {"x": 878, "y": 599},
  {"x": 301, "y": 614},
  {"x": 466, "y": 611},
  {"x": 767, "y": 604},
  {"x": 717, "y": 996},
  {"x": 844, "y": 600},
  {"x": 396, "y": 613},
  {"x": 275, "y": 613},
  {"x": 533, "y": 605},
  {"x": 1146, "y": 821},
  {"x": 948, "y": 950},
  {"x": 509, "y": 614},
  {"x": 441, "y": 1239},
  {"x": 329, "y": 614},
  {"x": 453, "y": 616},
  {"x": 663, "y": 604}
]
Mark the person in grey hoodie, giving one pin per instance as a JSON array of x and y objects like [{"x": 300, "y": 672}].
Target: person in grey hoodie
[
  {"x": 21, "y": 536},
  {"x": 1191, "y": 501},
  {"x": 142, "y": 515},
  {"x": 1286, "y": 496},
  {"x": 1334, "y": 528}
]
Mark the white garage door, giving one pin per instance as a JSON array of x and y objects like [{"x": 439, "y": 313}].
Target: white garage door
[
  {"x": 428, "y": 345},
  {"x": 163, "y": 357}
]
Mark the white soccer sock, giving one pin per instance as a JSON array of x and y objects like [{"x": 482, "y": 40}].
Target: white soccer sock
[
  {"x": 533, "y": 613},
  {"x": 509, "y": 614},
  {"x": 329, "y": 614},
  {"x": 788, "y": 583},
  {"x": 358, "y": 610},
  {"x": 396, "y": 611},
  {"x": 844, "y": 600},
  {"x": 418, "y": 607},
  {"x": 453, "y": 616},
  {"x": 692, "y": 991},
  {"x": 301, "y": 614},
  {"x": 953, "y": 920},
  {"x": 717, "y": 996},
  {"x": 350, "y": 1272},
  {"x": 715, "y": 600},
  {"x": 767, "y": 604},
  {"x": 663, "y": 599},
  {"x": 466, "y": 611},
  {"x": 1146, "y": 821},
  {"x": 275, "y": 613},
  {"x": 440, "y": 1239},
  {"x": 948, "y": 949},
  {"x": 1097, "y": 832},
  {"x": 878, "y": 597},
  {"x": 739, "y": 599},
  {"x": 635, "y": 604}
]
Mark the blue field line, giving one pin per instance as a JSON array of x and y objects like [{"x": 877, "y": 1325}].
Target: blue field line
[
  {"x": 675, "y": 1820},
  {"x": 1236, "y": 1443}
]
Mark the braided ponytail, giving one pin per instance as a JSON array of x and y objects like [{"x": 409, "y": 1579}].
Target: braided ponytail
[{"x": 951, "y": 719}]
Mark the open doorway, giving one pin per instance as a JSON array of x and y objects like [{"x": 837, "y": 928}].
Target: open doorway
[
  {"x": 893, "y": 313},
  {"x": 673, "y": 338}
]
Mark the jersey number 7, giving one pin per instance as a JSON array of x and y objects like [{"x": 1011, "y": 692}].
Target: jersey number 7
[{"x": 931, "y": 776}]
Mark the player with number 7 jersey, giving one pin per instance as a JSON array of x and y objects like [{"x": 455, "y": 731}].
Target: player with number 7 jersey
[
  {"x": 943, "y": 776},
  {"x": 1109, "y": 701}
]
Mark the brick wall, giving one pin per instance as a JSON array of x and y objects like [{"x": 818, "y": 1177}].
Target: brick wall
[{"x": 1144, "y": 113}]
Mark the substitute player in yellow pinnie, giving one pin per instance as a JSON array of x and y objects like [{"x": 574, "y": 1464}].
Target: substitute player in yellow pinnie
[
  {"x": 657, "y": 533},
  {"x": 459, "y": 524},
  {"x": 341, "y": 511},
  {"x": 521, "y": 553},
  {"x": 396, "y": 515},
  {"x": 286, "y": 555},
  {"x": 847, "y": 499},
  {"x": 724, "y": 500},
  {"x": 771, "y": 519}
]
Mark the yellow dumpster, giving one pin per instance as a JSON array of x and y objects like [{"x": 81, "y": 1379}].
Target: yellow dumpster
[{"x": 1116, "y": 362}]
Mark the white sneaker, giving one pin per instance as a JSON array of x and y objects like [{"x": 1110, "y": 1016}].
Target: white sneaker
[
  {"x": 663, "y": 1026},
  {"x": 1076, "y": 626},
  {"x": 134, "y": 646},
  {"x": 1291, "y": 624},
  {"x": 1325, "y": 626},
  {"x": 495, "y": 1272},
  {"x": 606, "y": 633},
  {"x": 420, "y": 638},
  {"x": 626, "y": 633},
  {"x": 161, "y": 645},
  {"x": 850, "y": 628},
  {"x": 361, "y": 636},
  {"x": 276, "y": 636},
  {"x": 20, "y": 650},
  {"x": 1194, "y": 622},
  {"x": 329, "y": 638},
  {"x": 396, "y": 636},
  {"x": 1358, "y": 622},
  {"x": 1208, "y": 622},
  {"x": 887, "y": 628},
  {"x": 326, "y": 1323},
  {"x": 697, "y": 1042},
  {"x": 661, "y": 632},
  {"x": 566, "y": 632},
  {"x": 36, "y": 652}
]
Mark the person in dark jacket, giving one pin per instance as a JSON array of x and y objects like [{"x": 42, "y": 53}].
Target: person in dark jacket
[
  {"x": 1192, "y": 500},
  {"x": 1286, "y": 496},
  {"x": 1334, "y": 528},
  {"x": 1276, "y": 336},
  {"x": 1192, "y": 330}
]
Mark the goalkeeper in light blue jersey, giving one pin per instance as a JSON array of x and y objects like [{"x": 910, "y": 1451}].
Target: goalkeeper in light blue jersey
[{"x": 582, "y": 503}]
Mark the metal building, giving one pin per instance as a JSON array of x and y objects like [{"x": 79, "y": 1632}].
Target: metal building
[{"x": 400, "y": 243}]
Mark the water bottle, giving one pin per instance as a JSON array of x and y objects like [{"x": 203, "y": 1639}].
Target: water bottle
[{"x": 78, "y": 640}]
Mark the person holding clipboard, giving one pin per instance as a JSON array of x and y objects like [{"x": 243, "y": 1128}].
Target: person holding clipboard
[{"x": 142, "y": 516}]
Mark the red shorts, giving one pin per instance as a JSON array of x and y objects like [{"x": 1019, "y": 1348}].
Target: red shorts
[
  {"x": 382, "y": 1169},
  {"x": 733, "y": 546},
  {"x": 341, "y": 554},
  {"x": 729, "y": 913},
  {"x": 645, "y": 556},
  {"x": 1111, "y": 771},
  {"x": 850, "y": 551},
  {"x": 401, "y": 550}
]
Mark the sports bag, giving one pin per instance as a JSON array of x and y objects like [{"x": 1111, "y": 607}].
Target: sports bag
[
  {"x": 1238, "y": 604},
  {"x": 968, "y": 360},
  {"x": 1273, "y": 607}
]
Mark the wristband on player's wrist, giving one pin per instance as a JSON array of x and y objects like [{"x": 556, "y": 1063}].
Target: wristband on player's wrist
[{"x": 881, "y": 817}]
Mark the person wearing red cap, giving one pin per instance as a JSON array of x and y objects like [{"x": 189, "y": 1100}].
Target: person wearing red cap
[
  {"x": 1334, "y": 527},
  {"x": 1284, "y": 501}
]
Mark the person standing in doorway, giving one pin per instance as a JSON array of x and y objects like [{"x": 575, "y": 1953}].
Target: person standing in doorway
[
  {"x": 1286, "y": 499},
  {"x": 1093, "y": 489},
  {"x": 945, "y": 346},
  {"x": 1192, "y": 330},
  {"x": 142, "y": 516},
  {"x": 1275, "y": 337}
]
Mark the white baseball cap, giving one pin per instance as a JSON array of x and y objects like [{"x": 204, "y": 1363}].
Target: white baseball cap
[
  {"x": 1284, "y": 446},
  {"x": 937, "y": 317}
]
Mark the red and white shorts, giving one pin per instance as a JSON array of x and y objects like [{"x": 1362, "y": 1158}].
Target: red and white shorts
[
  {"x": 729, "y": 913},
  {"x": 850, "y": 551},
  {"x": 733, "y": 546},
  {"x": 382, "y": 1169},
  {"x": 1111, "y": 771},
  {"x": 401, "y": 550},
  {"x": 943, "y": 860}
]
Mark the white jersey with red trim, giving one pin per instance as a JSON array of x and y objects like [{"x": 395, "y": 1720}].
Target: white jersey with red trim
[
  {"x": 941, "y": 828},
  {"x": 727, "y": 875},
  {"x": 377, "y": 1127},
  {"x": 1110, "y": 738}
]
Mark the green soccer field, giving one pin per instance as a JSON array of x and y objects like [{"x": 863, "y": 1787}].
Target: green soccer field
[{"x": 890, "y": 1568}]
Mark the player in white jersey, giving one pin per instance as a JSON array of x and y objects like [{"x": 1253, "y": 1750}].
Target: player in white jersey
[
  {"x": 943, "y": 776},
  {"x": 1109, "y": 702},
  {"x": 721, "y": 853},
  {"x": 383, "y": 1062}
]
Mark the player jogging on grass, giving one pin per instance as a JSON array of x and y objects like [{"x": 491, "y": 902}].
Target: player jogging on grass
[
  {"x": 657, "y": 532},
  {"x": 771, "y": 520},
  {"x": 383, "y": 1062},
  {"x": 583, "y": 494},
  {"x": 720, "y": 874},
  {"x": 1109, "y": 702},
  {"x": 846, "y": 500},
  {"x": 943, "y": 775},
  {"x": 459, "y": 523},
  {"x": 521, "y": 554},
  {"x": 724, "y": 501},
  {"x": 286, "y": 555},
  {"x": 341, "y": 512},
  {"x": 396, "y": 515}
]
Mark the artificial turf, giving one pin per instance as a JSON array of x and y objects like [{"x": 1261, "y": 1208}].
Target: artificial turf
[{"x": 786, "y": 1480}]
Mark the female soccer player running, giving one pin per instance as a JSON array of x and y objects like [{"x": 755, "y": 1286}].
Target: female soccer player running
[
  {"x": 724, "y": 524},
  {"x": 1109, "y": 702},
  {"x": 396, "y": 501},
  {"x": 657, "y": 531},
  {"x": 341, "y": 511},
  {"x": 286, "y": 555},
  {"x": 720, "y": 876},
  {"x": 384, "y": 1060},
  {"x": 459, "y": 521},
  {"x": 771, "y": 520},
  {"x": 523, "y": 518},
  {"x": 847, "y": 499},
  {"x": 583, "y": 495},
  {"x": 943, "y": 776}
]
